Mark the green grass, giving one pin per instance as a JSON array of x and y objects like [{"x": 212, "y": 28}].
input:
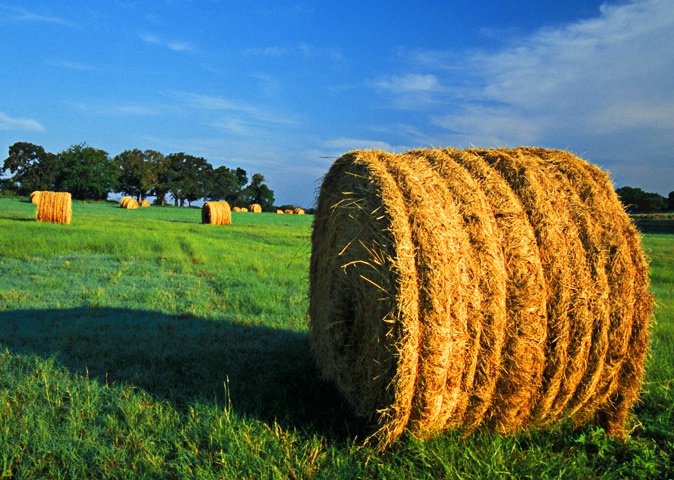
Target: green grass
[{"x": 144, "y": 344}]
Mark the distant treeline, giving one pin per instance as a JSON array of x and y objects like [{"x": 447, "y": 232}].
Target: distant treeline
[
  {"x": 636, "y": 200},
  {"x": 90, "y": 174}
]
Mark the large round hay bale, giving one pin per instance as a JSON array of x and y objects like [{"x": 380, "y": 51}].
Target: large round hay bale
[
  {"x": 35, "y": 197},
  {"x": 461, "y": 288},
  {"x": 216, "y": 213},
  {"x": 236, "y": 209},
  {"x": 129, "y": 203},
  {"x": 289, "y": 211},
  {"x": 255, "y": 208},
  {"x": 298, "y": 211},
  {"x": 55, "y": 207},
  {"x": 144, "y": 203}
]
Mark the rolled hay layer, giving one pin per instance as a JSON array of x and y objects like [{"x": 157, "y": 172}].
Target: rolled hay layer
[
  {"x": 129, "y": 203},
  {"x": 216, "y": 213},
  {"x": 255, "y": 208},
  {"x": 55, "y": 207},
  {"x": 35, "y": 197},
  {"x": 465, "y": 288}
]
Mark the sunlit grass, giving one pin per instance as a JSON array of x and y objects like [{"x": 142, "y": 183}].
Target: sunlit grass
[{"x": 144, "y": 344}]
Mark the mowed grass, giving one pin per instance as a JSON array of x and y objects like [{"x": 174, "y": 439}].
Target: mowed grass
[{"x": 143, "y": 344}]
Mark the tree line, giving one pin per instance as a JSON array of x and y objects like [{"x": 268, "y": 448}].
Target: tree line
[
  {"x": 636, "y": 200},
  {"x": 89, "y": 173}
]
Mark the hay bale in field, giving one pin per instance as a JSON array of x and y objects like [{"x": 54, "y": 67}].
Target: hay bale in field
[
  {"x": 129, "y": 203},
  {"x": 243, "y": 209},
  {"x": 298, "y": 211},
  {"x": 255, "y": 208},
  {"x": 144, "y": 203},
  {"x": 35, "y": 197},
  {"x": 216, "y": 213},
  {"x": 460, "y": 288},
  {"x": 279, "y": 212},
  {"x": 289, "y": 211},
  {"x": 55, "y": 207},
  {"x": 236, "y": 209}
]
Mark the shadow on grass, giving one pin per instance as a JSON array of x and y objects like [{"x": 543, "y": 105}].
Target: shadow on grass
[{"x": 270, "y": 373}]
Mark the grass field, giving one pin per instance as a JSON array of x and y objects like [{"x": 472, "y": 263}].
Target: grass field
[{"x": 140, "y": 343}]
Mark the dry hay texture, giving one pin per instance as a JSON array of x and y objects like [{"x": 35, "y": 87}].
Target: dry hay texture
[
  {"x": 289, "y": 211},
  {"x": 55, "y": 207},
  {"x": 35, "y": 197},
  {"x": 457, "y": 289},
  {"x": 216, "y": 213},
  {"x": 255, "y": 208},
  {"x": 298, "y": 211},
  {"x": 144, "y": 203},
  {"x": 129, "y": 203},
  {"x": 279, "y": 212}
]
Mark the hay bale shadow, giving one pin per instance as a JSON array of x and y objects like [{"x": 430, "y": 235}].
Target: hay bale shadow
[{"x": 270, "y": 373}]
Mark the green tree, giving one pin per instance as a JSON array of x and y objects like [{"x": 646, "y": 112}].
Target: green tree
[
  {"x": 161, "y": 165},
  {"x": 32, "y": 168},
  {"x": 137, "y": 173},
  {"x": 224, "y": 186},
  {"x": 670, "y": 202},
  {"x": 258, "y": 192},
  {"x": 189, "y": 177},
  {"x": 87, "y": 173},
  {"x": 638, "y": 201}
]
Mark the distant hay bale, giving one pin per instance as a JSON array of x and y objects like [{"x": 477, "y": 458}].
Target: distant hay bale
[
  {"x": 298, "y": 211},
  {"x": 144, "y": 203},
  {"x": 216, "y": 213},
  {"x": 243, "y": 209},
  {"x": 255, "y": 208},
  {"x": 236, "y": 209},
  {"x": 279, "y": 212},
  {"x": 55, "y": 207},
  {"x": 129, "y": 203},
  {"x": 462, "y": 288},
  {"x": 289, "y": 211},
  {"x": 35, "y": 197}
]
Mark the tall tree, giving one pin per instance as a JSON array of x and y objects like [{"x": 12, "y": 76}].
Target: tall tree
[
  {"x": 161, "y": 165},
  {"x": 225, "y": 186},
  {"x": 188, "y": 177},
  {"x": 258, "y": 192},
  {"x": 32, "y": 168},
  {"x": 137, "y": 174},
  {"x": 87, "y": 173}
]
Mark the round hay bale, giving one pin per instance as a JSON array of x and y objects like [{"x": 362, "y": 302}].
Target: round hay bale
[
  {"x": 35, "y": 197},
  {"x": 129, "y": 203},
  {"x": 216, "y": 213},
  {"x": 462, "y": 288},
  {"x": 298, "y": 211},
  {"x": 55, "y": 207},
  {"x": 236, "y": 209},
  {"x": 144, "y": 203},
  {"x": 289, "y": 211},
  {"x": 279, "y": 212},
  {"x": 243, "y": 209},
  {"x": 255, "y": 208}
]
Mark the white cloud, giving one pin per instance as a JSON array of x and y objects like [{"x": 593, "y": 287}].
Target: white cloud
[
  {"x": 175, "y": 45},
  {"x": 409, "y": 83},
  {"x": 346, "y": 144},
  {"x": 23, "y": 15},
  {"x": 19, "y": 124}
]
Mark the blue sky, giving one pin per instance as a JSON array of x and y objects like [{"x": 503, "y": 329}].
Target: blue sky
[{"x": 282, "y": 88}]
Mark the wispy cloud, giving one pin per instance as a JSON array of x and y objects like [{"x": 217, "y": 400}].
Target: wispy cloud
[
  {"x": 119, "y": 109},
  {"x": 257, "y": 113},
  {"x": 23, "y": 15},
  {"x": 301, "y": 50},
  {"x": 175, "y": 45},
  {"x": 19, "y": 124},
  {"x": 70, "y": 65},
  {"x": 343, "y": 144}
]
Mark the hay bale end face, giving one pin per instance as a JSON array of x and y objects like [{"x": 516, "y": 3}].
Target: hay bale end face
[
  {"x": 462, "y": 288},
  {"x": 255, "y": 208},
  {"x": 216, "y": 213},
  {"x": 35, "y": 197},
  {"x": 55, "y": 207}
]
